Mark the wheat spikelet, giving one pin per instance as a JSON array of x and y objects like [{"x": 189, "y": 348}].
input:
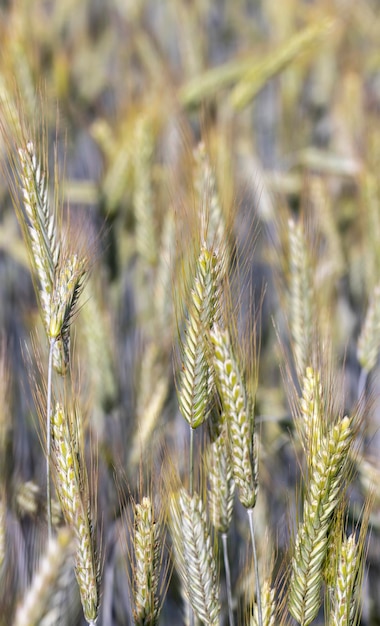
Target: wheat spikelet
[
  {"x": 239, "y": 410},
  {"x": 301, "y": 296},
  {"x": 194, "y": 385},
  {"x": 268, "y": 605},
  {"x": 325, "y": 488},
  {"x": 221, "y": 484},
  {"x": 369, "y": 338},
  {"x": 73, "y": 491},
  {"x": 194, "y": 555},
  {"x": 146, "y": 571},
  {"x": 345, "y": 600},
  {"x": 37, "y": 599},
  {"x": 41, "y": 228}
]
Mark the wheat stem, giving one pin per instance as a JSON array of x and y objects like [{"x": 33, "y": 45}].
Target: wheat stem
[
  {"x": 228, "y": 578},
  {"x": 191, "y": 462},
  {"x": 256, "y": 566},
  {"x": 48, "y": 436}
]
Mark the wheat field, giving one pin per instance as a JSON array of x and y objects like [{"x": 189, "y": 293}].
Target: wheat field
[{"x": 189, "y": 313}]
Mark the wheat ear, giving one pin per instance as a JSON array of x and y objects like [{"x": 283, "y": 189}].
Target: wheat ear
[
  {"x": 36, "y": 601},
  {"x": 147, "y": 560},
  {"x": 301, "y": 296},
  {"x": 239, "y": 410},
  {"x": 325, "y": 488},
  {"x": 311, "y": 405},
  {"x": 72, "y": 487},
  {"x": 345, "y": 597},
  {"x": 194, "y": 381},
  {"x": 268, "y": 604},
  {"x": 194, "y": 555}
]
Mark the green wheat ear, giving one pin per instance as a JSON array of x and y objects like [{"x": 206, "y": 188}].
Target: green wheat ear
[
  {"x": 324, "y": 492},
  {"x": 72, "y": 487},
  {"x": 147, "y": 561},
  {"x": 194, "y": 386},
  {"x": 194, "y": 555},
  {"x": 239, "y": 411}
]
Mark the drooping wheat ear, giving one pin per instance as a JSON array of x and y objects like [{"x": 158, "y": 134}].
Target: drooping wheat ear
[
  {"x": 324, "y": 492},
  {"x": 345, "y": 610},
  {"x": 72, "y": 487},
  {"x": 239, "y": 410},
  {"x": 301, "y": 297},
  {"x": 268, "y": 604},
  {"x": 36, "y": 602},
  {"x": 193, "y": 394},
  {"x": 146, "y": 238},
  {"x": 194, "y": 555},
  {"x": 147, "y": 560},
  {"x": 311, "y": 414},
  {"x": 369, "y": 338},
  {"x": 221, "y": 483},
  {"x": 41, "y": 228}
]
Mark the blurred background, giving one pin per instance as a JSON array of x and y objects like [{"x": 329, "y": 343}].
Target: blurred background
[{"x": 286, "y": 98}]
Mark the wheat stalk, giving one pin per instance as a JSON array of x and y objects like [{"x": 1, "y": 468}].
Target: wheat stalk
[
  {"x": 194, "y": 555},
  {"x": 73, "y": 491},
  {"x": 325, "y": 489}
]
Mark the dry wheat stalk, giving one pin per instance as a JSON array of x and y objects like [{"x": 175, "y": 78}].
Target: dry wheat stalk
[
  {"x": 239, "y": 410},
  {"x": 194, "y": 556},
  {"x": 36, "y": 601},
  {"x": 324, "y": 492},
  {"x": 73, "y": 491},
  {"x": 147, "y": 561},
  {"x": 194, "y": 385},
  {"x": 268, "y": 605}
]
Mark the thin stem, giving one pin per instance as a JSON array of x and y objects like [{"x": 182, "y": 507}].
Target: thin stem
[
  {"x": 191, "y": 462},
  {"x": 256, "y": 566},
  {"x": 191, "y": 489},
  {"x": 228, "y": 579},
  {"x": 48, "y": 437}
]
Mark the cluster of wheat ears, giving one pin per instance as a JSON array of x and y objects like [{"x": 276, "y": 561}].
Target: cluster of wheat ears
[{"x": 178, "y": 526}]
